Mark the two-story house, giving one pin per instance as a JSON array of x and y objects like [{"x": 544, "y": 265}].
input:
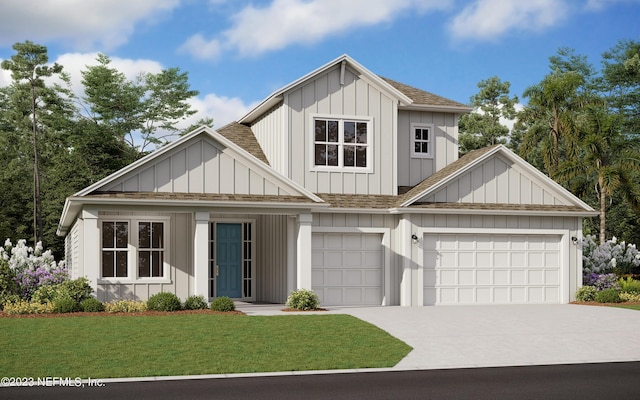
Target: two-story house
[{"x": 344, "y": 182}]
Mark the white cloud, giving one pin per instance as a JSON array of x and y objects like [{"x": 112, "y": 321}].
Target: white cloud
[
  {"x": 257, "y": 30},
  {"x": 222, "y": 109},
  {"x": 106, "y": 22},
  {"x": 489, "y": 19}
]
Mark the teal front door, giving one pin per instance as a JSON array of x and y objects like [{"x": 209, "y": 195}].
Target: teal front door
[{"x": 229, "y": 260}]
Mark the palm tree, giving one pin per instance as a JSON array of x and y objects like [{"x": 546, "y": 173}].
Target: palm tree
[{"x": 606, "y": 162}]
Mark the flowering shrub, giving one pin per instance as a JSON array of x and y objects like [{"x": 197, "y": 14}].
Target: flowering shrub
[
  {"x": 601, "y": 281},
  {"x": 27, "y": 307},
  {"x": 630, "y": 296},
  {"x": 609, "y": 257},
  {"x": 127, "y": 306},
  {"x": 32, "y": 267},
  {"x": 303, "y": 299},
  {"x": 586, "y": 293}
]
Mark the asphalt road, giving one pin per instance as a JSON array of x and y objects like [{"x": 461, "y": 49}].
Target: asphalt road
[{"x": 581, "y": 381}]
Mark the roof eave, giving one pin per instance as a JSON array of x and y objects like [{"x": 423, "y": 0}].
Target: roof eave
[
  {"x": 437, "y": 108},
  {"x": 448, "y": 211}
]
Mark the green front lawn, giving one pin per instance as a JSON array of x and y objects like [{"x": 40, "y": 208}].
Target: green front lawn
[
  {"x": 190, "y": 344},
  {"x": 631, "y": 306}
]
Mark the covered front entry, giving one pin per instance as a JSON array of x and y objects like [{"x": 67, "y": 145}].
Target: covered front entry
[
  {"x": 231, "y": 265},
  {"x": 481, "y": 268}
]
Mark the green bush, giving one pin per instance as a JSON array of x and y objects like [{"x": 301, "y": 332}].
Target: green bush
[
  {"x": 65, "y": 304},
  {"x": 223, "y": 304},
  {"x": 78, "y": 289},
  {"x": 586, "y": 293},
  {"x": 608, "y": 296},
  {"x": 27, "y": 307},
  {"x": 629, "y": 285},
  {"x": 9, "y": 291},
  {"x": 195, "y": 303},
  {"x": 635, "y": 297},
  {"x": 91, "y": 305},
  {"x": 46, "y": 293},
  {"x": 126, "y": 306},
  {"x": 164, "y": 301},
  {"x": 303, "y": 299}
]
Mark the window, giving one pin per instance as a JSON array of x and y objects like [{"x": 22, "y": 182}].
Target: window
[
  {"x": 115, "y": 251},
  {"x": 341, "y": 142},
  {"x": 134, "y": 249},
  {"x": 150, "y": 249},
  {"x": 421, "y": 135}
]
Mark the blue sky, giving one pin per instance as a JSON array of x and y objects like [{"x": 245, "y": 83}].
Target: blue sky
[{"x": 237, "y": 52}]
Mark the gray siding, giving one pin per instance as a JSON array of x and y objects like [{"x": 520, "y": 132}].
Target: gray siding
[
  {"x": 200, "y": 166},
  {"x": 270, "y": 132},
  {"x": 72, "y": 250},
  {"x": 326, "y": 96},
  {"x": 497, "y": 181},
  {"x": 412, "y": 171},
  {"x": 180, "y": 248},
  {"x": 271, "y": 260}
]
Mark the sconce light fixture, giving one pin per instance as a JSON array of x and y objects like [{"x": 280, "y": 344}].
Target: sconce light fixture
[
  {"x": 414, "y": 238},
  {"x": 574, "y": 240}
]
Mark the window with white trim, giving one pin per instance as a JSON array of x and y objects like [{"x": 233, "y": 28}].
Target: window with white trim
[
  {"x": 341, "y": 142},
  {"x": 421, "y": 140},
  {"x": 133, "y": 249}
]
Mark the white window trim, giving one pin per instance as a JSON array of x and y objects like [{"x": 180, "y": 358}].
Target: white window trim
[
  {"x": 341, "y": 119},
  {"x": 414, "y": 126},
  {"x": 132, "y": 259}
]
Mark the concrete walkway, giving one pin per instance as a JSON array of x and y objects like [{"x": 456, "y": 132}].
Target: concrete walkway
[{"x": 491, "y": 336}]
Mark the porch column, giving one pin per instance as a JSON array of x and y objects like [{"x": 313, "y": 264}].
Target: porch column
[
  {"x": 303, "y": 251},
  {"x": 91, "y": 249},
  {"x": 201, "y": 255},
  {"x": 291, "y": 253}
]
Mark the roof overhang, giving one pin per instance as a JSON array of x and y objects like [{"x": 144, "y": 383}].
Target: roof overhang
[{"x": 435, "y": 108}]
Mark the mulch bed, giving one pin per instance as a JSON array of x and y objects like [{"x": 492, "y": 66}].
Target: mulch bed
[{"x": 119, "y": 314}]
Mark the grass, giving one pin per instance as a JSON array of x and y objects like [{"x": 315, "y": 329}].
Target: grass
[
  {"x": 630, "y": 306},
  {"x": 191, "y": 344}
]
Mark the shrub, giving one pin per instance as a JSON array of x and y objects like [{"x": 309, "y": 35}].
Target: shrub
[
  {"x": 91, "y": 305},
  {"x": 629, "y": 285},
  {"x": 33, "y": 267},
  {"x": 126, "y": 306},
  {"x": 630, "y": 296},
  {"x": 78, "y": 289},
  {"x": 602, "y": 281},
  {"x": 195, "y": 303},
  {"x": 45, "y": 294},
  {"x": 303, "y": 299},
  {"x": 608, "y": 296},
  {"x": 8, "y": 286},
  {"x": 586, "y": 293},
  {"x": 27, "y": 307},
  {"x": 164, "y": 301},
  {"x": 612, "y": 256},
  {"x": 223, "y": 304},
  {"x": 65, "y": 304}
]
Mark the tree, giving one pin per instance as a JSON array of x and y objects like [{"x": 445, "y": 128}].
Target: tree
[
  {"x": 483, "y": 128},
  {"x": 606, "y": 163},
  {"x": 139, "y": 113},
  {"x": 551, "y": 114},
  {"x": 29, "y": 97}
]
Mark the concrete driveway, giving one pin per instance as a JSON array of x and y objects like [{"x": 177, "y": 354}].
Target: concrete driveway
[{"x": 509, "y": 335}]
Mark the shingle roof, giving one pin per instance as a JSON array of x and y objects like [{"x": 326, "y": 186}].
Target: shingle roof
[
  {"x": 359, "y": 200},
  {"x": 243, "y": 136},
  {"x": 199, "y": 197},
  {"x": 422, "y": 97},
  {"x": 497, "y": 206}
]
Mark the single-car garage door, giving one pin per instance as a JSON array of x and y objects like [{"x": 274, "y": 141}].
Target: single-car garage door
[
  {"x": 491, "y": 269},
  {"x": 347, "y": 268}
]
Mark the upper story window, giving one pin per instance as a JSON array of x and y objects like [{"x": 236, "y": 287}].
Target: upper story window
[
  {"x": 133, "y": 249},
  {"x": 341, "y": 142},
  {"x": 422, "y": 140}
]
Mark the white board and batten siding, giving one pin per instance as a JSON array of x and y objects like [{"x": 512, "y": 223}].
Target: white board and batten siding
[
  {"x": 412, "y": 170},
  {"x": 199, "y": 166},
  {"x": 497, "y": 181},
  {"x": 357, "y": 97},
  {"x": 272, "y": 135}
]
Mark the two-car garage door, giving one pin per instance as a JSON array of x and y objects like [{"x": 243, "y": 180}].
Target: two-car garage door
[
  {"x": 491, "y": 269},
  {"x": 347, "y": 268}
]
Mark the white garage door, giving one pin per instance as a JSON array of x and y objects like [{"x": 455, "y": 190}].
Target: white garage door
[
  {"x": 347, "y": 268},
  {"x": 491, "y": 269}
]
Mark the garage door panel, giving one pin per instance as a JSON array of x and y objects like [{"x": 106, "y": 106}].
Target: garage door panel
[
  {"x": 349, "y": 271},
  {"x": 491, "y": 268}
]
